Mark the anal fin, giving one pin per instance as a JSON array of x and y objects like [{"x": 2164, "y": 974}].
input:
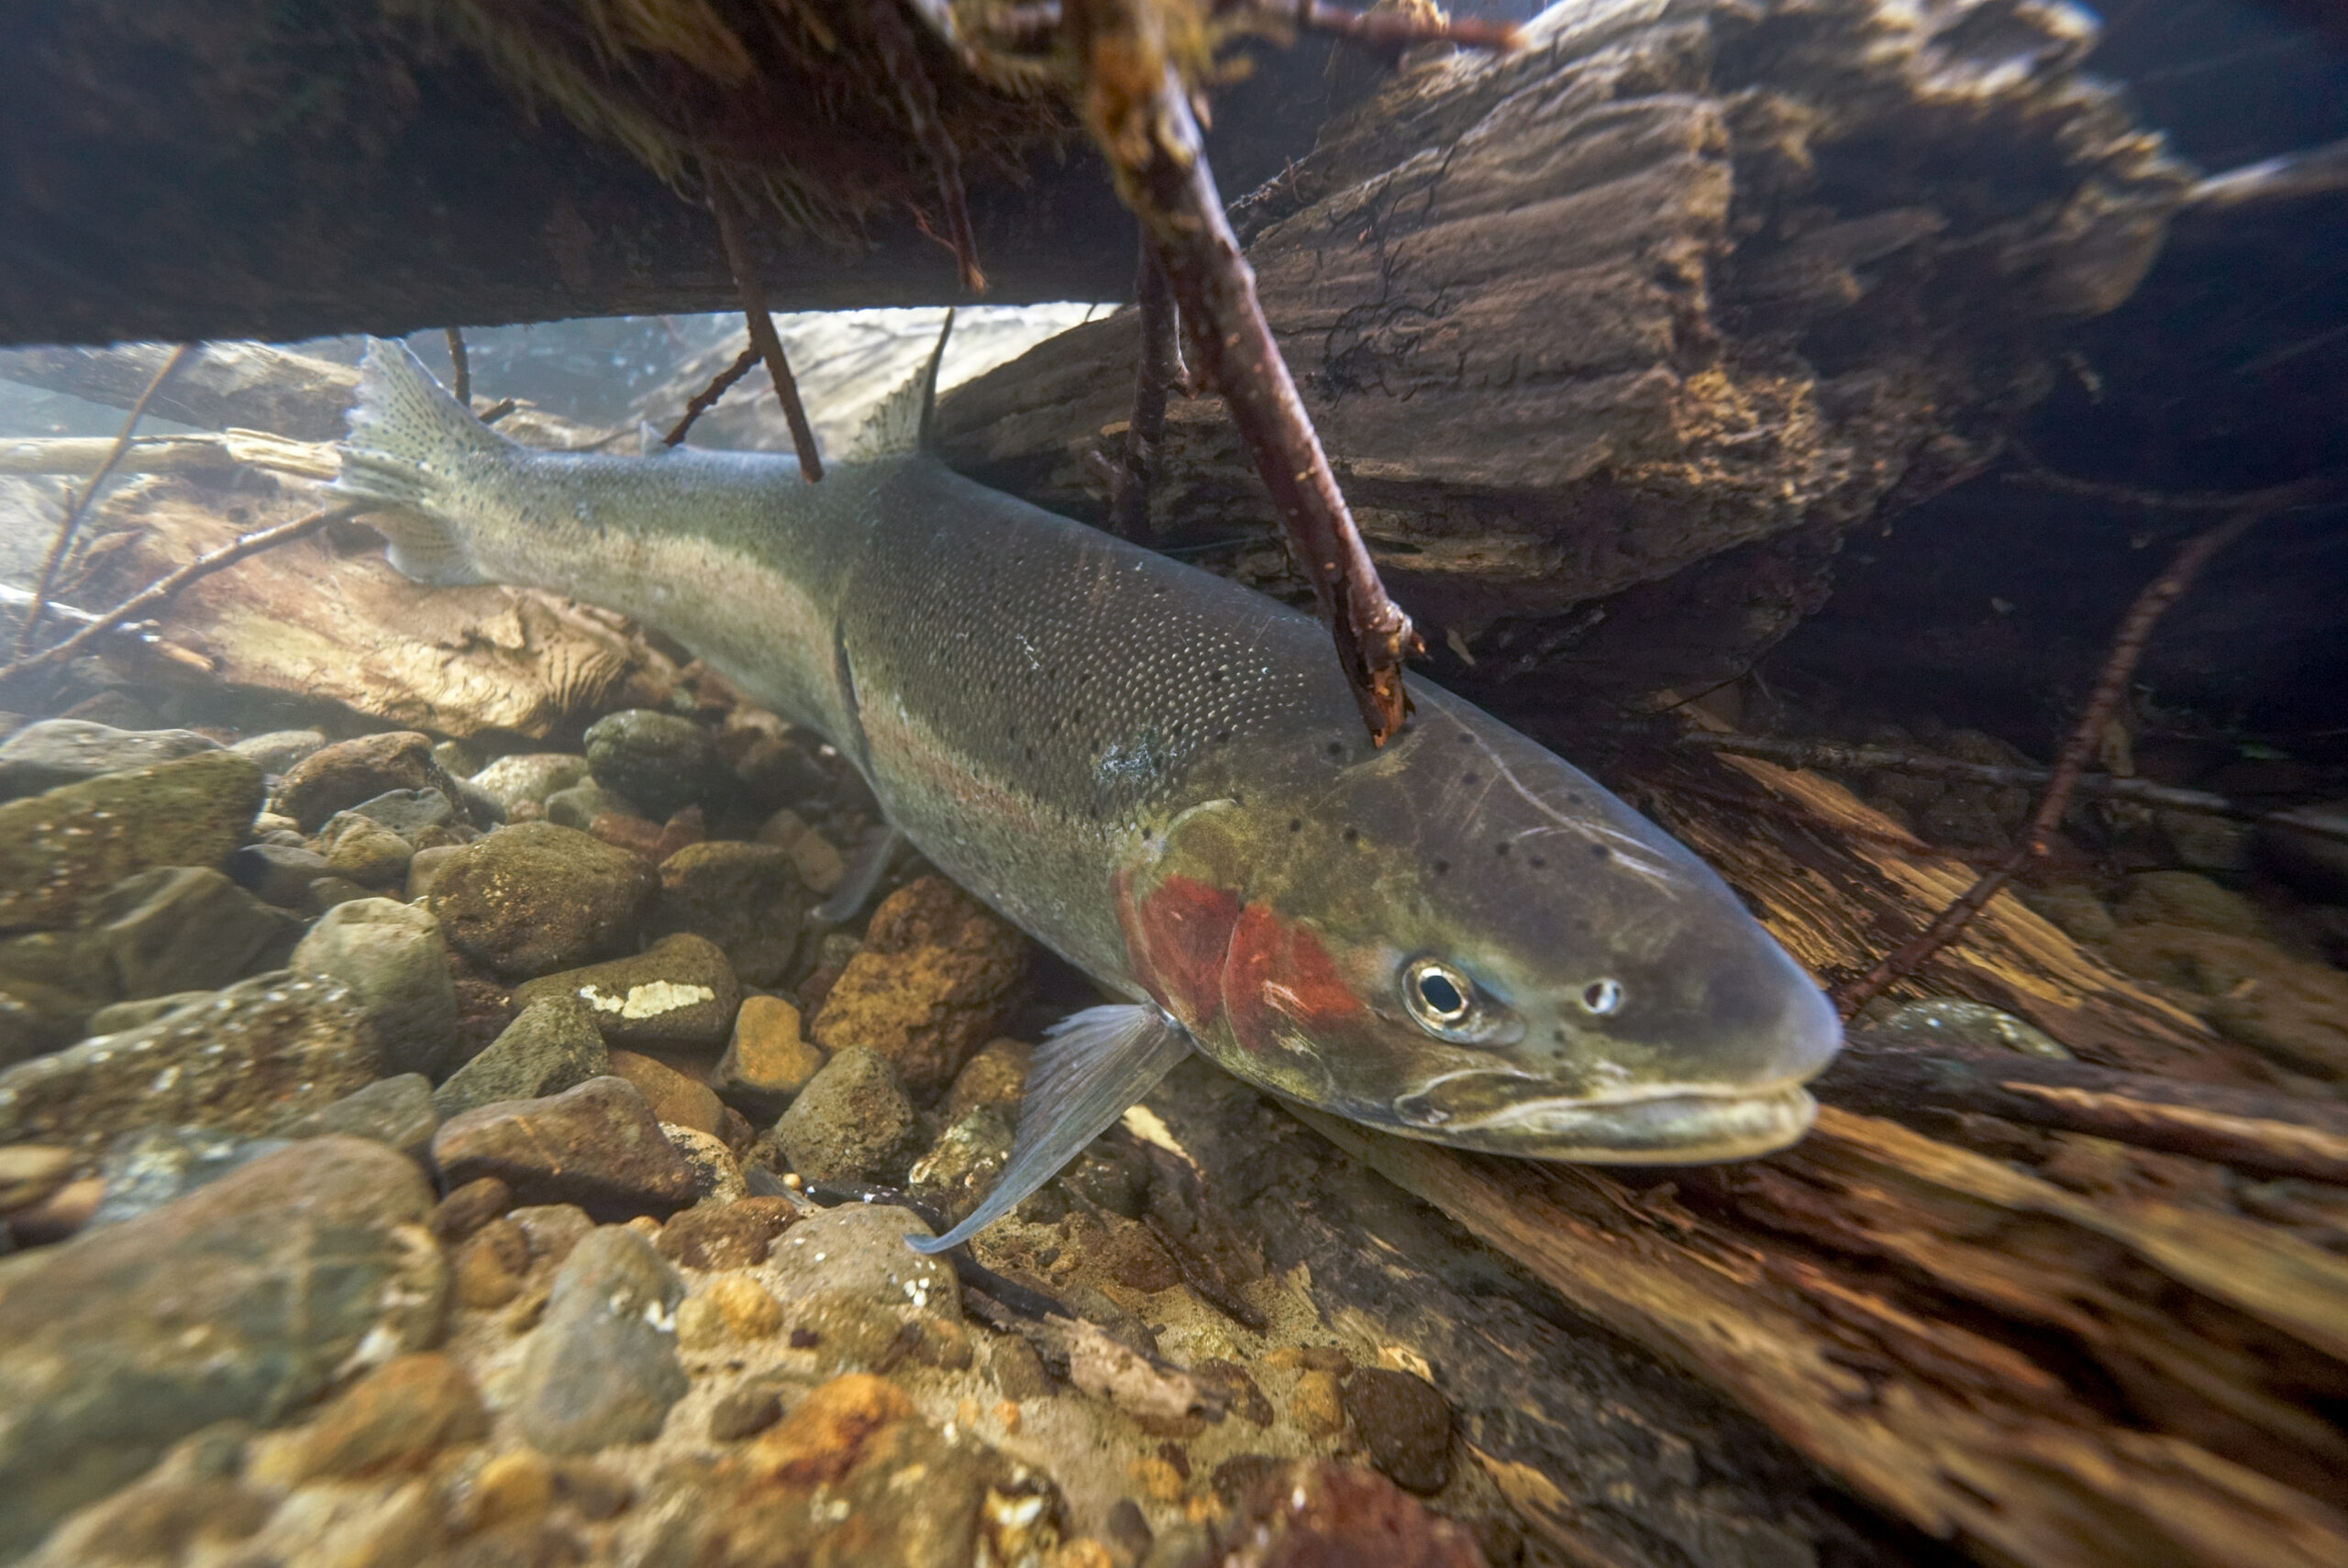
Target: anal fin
[{"x": 1091, "y": 1066}]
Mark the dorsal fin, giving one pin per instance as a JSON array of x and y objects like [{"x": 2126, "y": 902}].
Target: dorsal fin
[{"x": 901, "y": 422}]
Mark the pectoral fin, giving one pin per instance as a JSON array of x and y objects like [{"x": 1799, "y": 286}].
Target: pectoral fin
[{"x": 1091, "y": 1067}]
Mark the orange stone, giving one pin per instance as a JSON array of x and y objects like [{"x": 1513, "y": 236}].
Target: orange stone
[
  {"x": 675, "y": 1098},
  {"x": 823, "y": 1438}
]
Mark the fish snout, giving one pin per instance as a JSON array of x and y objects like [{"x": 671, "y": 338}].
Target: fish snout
[
  {"x": 1752, "y": 1018},
  {"x": 1721, "y": 1010}
]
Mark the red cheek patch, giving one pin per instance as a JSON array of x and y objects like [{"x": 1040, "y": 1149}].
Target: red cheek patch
[
  {"x": 1280, "y": 975},
  {"x": 1177, "y": 936}
]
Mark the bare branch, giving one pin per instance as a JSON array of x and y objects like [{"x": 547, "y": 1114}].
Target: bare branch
[
  {"x": 461, "y": 366},
  {"x": 2070, "y": 765},
  {"x": 706, "y": 399},
  {"x": 1837, "y": 758},
  {"x": 136, "y": 607},
  {"x": 80, "y": 506},
  {"x": 763, "y": 336},
  {"x": 918, "y": 96},
  {"x": 1140, "y": 115}
]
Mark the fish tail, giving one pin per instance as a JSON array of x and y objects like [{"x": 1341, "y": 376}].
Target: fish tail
[{"x": 411, "y": 448}]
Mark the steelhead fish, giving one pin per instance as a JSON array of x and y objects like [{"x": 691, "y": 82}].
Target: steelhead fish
[{"x": 1159, "y": 775}]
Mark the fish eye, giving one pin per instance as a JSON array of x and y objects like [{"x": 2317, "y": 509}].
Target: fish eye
[
  {"x": 1439, "y": 996},
  {"x": 1603, "y": 996}
]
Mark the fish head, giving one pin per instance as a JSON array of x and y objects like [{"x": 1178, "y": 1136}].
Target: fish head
[{"x": 1462, "y": 938}]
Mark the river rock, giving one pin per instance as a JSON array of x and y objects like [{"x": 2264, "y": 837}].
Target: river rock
[
  {"x": 260, "y": 1051},
  {"x": 584, "y": 802},
  {"x": 396, "y": 1112},
  {"x": 962, "y": 1167},
  {"x": 280, "y": 874},
  {"x": 661, "y": 761},
  {"x": 602, "y": 1367},
  {"x": 819, "y": 864},
  {"x": 746, "y": 898},
  {"x": 852, "y": 1122},
  {"x": 534, "y": 897},
  {"x": 365, "y": 851},
  {"x": 393, "y": 956},
  {"x": 678, "y": 1100},
  {"x": 679, "y": 991},
  {"x": 1405, "y": 1424},
  {"x": 340, "y": 776},
  {"x": 766, "y": 1062},
  {"x": 395, "y": 1418},
  {"x": 727, "y": 1235},
  {"x": 30, "y": 1172},
  {"x": 185, "y": 928},
  {"x": 63, "y": 851},
  {"x": 279, "y": 750},
  {"x": 240, "y": 1301},
  {"x": 853, "y": 1476},
  {"x": 2074, "y": 910},
  {"x": 26, "y": 1031},
  {"x": 860, "y": 1249},
  {"x": 149, "y": 1168},
  {"x": 598, "y": 1147},
  {"x": 1319, "y": 1511},
  {"x": 938, "y": 976},
  {"x": 65, "y": 751},
  {"x": 115, "y": 1017},
  {"x": 717, "y": 1175},
  {"x": 412, "y": 813},
  {"x": 529, "y": 778},
  {"x": 552, "y": 1045},
  {"x": 2288, "y": 1008},
  {"x": 2187, "y": 898}
]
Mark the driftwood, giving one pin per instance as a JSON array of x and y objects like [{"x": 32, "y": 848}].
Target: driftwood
[
  {"x": 225, "y": 168},
  {"x": 1647, "y": 292}
]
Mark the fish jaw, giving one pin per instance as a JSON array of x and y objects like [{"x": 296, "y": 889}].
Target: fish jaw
[{"x": 1692, "y": 1125}]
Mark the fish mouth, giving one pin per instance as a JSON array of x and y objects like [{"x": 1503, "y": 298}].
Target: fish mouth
[{"x": 1680, "y": 1126}]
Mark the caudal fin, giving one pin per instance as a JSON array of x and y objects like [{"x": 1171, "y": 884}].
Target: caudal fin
[{"x": 411, "y": 449}]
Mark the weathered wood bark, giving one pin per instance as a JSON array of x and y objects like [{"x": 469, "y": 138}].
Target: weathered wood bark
[
  {"x": 1672, "y": 280},
  {"x": 213, "y": 169},
  {"x": 247, "y": 385}
]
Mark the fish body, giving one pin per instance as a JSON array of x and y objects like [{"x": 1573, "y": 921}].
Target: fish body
[{"x": 1161, "y": 775}]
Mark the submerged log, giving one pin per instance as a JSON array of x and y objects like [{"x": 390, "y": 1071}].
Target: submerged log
[
  {"x": 1671, "y": 282},
  {"x": 215, "y": 168}
]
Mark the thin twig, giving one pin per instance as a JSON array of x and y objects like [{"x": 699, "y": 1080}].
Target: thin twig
[
  {"x": 1835, "y": 758},
  {"x": 81, "y": 504},
  {"x": 1139, "y": 113},
  {"x": 136, "y": 607},
  {"x": 1157, "y": 369},
  {"x": 459, "y": 367},
  {"x": 2311, "y": 491},
  {"x": 763, "y": 336},
  {"x": 901, "y": 56},
  {"x": 2308, "y": 172},
  {"x": 706, "y": 399},
  {"x": 2070, "y": 765}
]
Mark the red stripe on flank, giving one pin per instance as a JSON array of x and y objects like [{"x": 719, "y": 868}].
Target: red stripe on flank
[
  {"x": 1177, "y": 937},
  {"x": 1282, "y": 975}
]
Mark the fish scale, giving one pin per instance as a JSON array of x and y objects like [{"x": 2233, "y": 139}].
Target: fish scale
[{"x": 1159, "y": 775}]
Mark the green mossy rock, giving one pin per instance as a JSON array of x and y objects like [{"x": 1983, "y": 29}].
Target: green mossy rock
[{"x": 61, "y": 851}]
